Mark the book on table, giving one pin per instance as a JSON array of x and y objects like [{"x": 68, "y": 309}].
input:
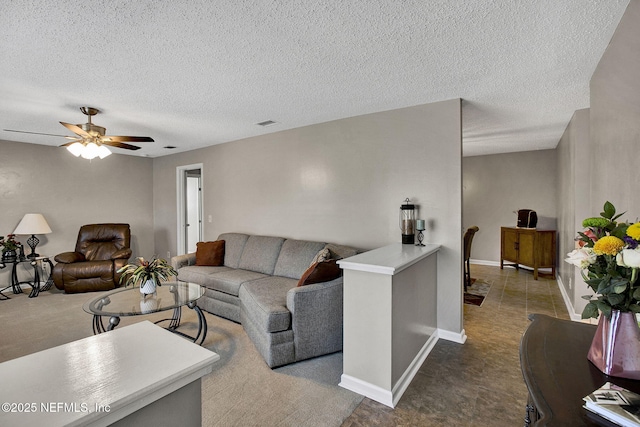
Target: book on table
[{"x": 616, "y": 404}]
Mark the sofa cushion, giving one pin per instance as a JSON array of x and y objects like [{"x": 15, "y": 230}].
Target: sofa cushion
[
  {"x": 264, "y": 301},
  {"x": 340, "y": 251},
  {"x": 295, "y": 257},
  {"x": 321, "y": 256},
  {"x": 210, "y": 253},
  {"x": 199, "y": 274},
  {"x": 320, "y": 272},
  {"x": 260, "y": 254},
  {"x": 233, "y": 246},
  {"x": 229, "y": 281}
]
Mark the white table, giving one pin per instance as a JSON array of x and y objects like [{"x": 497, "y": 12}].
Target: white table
[{"x": 141, "y": 373}]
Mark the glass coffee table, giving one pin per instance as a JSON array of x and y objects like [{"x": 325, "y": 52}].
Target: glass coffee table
[{"x": 130, "y": 302}]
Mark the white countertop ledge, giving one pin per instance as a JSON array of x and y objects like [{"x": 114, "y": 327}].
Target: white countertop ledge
[
  {"x": 390, "y": 259},
  {"x": 126, "y": 369}
]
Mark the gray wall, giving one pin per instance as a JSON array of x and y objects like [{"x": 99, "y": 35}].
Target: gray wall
[
  {"x": 341, "y": 181},
  {"x": 598, "y": 153},
  {"x": 573, "y": 204},
  {"x": 495, "y": 186},
  {"x": 615, "y": 120},
  {"x": 70, "y": 192}
]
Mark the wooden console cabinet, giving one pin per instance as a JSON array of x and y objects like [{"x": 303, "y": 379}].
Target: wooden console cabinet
[
  {"x": 553, "y": 358},
  {"x": 529, "y": 247}
]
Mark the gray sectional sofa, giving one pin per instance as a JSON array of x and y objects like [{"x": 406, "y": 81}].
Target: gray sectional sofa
[{"x": 257, "y": 287}]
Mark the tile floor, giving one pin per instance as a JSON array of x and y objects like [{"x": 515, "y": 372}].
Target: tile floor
[{"x": 478, "y": 383}]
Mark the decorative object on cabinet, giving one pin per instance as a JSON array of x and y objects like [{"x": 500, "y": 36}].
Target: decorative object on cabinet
[
  {"x": 468, "y": 238},
  {"x": 407, "y": 226},
  {"x": 527, "y": 218},
  {"x": 32, "y": 223},
  {"x": 609, "y": 258},
  {"x": 529, "y": 247},
  {"x": 616, "y": 404},
  {"x": 420, "y": 227}
]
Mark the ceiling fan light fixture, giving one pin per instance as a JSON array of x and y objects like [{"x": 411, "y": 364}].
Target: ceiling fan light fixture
[
  {"x": 103, "y": 152},
  {"x": 76, "y": 148},
  {"x": 90, "y": 151}
]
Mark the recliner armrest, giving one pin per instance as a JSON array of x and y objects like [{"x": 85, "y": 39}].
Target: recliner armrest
[
  {"x": 124, "y": 253},
  {"x": 69, "y": 257}
]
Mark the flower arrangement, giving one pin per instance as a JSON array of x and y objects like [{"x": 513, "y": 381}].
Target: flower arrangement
[
  {"x": 10, "y": 244},
  {"x": 137, "y": 274},
  {"x": 609, "y": 256}
]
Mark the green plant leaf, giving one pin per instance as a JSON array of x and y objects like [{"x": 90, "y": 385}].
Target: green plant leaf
[
  {"x": 615, "y": 299},
  {"x": 609, "y": 211},
  {"x": 590, "y": 310},
  {"x": 604, "y": 308},
  {"x": 634, "y": 308}
]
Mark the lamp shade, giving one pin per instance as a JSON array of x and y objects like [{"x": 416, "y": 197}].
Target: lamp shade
[{"x": 32, "y": 224}]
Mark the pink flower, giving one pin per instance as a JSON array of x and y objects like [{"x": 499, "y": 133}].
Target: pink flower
[{"x": 590, "y": 235}]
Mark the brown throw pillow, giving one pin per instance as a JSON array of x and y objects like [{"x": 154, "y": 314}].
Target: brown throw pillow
[
  {"x": 210, "y": 253},
  {"x": 320, "y": 272}
]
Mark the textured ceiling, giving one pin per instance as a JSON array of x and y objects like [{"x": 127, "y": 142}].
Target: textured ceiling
[{"x": 201, "y": 72}]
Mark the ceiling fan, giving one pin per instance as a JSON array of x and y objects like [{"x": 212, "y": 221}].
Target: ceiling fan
[{"x": 91, "y": 140}]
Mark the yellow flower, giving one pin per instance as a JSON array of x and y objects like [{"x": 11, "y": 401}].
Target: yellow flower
[
  {"x": 608, "y": 245},
  {"x": 634, "y": 231}
]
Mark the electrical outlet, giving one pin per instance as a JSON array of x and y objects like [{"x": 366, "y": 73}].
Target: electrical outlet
[{"x": 168, "y": 254}]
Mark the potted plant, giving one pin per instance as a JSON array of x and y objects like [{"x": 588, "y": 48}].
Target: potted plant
[
  {"x": 609, "y": 258},
  {"x": 147, "y": 274},
  {"x": 9, "y": 247}
]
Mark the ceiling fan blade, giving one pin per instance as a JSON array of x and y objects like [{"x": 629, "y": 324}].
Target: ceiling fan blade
[
  {"x": 127, "y": 138},
  {"x": 34, "y": 133},
  {"x": 120, "y": 145},
  {"x": 76, "y": 129},
  {"x": 66, "y": 144}
]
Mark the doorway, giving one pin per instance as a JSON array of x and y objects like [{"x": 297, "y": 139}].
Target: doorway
[{"x": 189, "y": 192}]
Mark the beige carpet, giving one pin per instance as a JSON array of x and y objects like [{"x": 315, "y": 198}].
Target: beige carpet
[{"x": 241, "y": 391}]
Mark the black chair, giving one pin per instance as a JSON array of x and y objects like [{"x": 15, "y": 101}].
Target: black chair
[{"x": 468, "y": 238}]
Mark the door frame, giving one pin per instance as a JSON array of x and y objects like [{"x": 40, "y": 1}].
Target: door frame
[{"x": 181, "y": 188}]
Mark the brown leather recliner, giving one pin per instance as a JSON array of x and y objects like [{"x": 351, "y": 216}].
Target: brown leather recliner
[{"x": 100, "y": 251}]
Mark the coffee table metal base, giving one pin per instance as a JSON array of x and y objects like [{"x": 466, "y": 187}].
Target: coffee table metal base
[{"x": 174, "y": 323}]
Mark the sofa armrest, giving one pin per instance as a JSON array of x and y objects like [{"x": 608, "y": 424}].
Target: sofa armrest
[
  {"x": 69, "y": 257},
  {"x": 316, "y": 318},
  {"x": 183, "y": 260},
  {"x": 124, "y": 253}
]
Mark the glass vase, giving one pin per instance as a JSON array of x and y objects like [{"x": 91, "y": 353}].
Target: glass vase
[{"x": 615, "y": 348}]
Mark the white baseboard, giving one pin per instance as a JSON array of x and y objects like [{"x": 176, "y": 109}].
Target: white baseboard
[
  {"x": 457, "y": 337},
  {"x": 369, "y": 390},
  {"x": 390, "y": 397},
  {"x": 484, "y": 262},
  {"x": 567, "y": 301}
]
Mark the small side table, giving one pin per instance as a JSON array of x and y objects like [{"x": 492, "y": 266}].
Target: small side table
[{"x": 35, "y": 284}]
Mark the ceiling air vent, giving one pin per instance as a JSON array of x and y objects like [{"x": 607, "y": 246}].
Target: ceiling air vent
[
  {"x": 267, "y": 123},
  {"x": 169, "y": 147}
]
